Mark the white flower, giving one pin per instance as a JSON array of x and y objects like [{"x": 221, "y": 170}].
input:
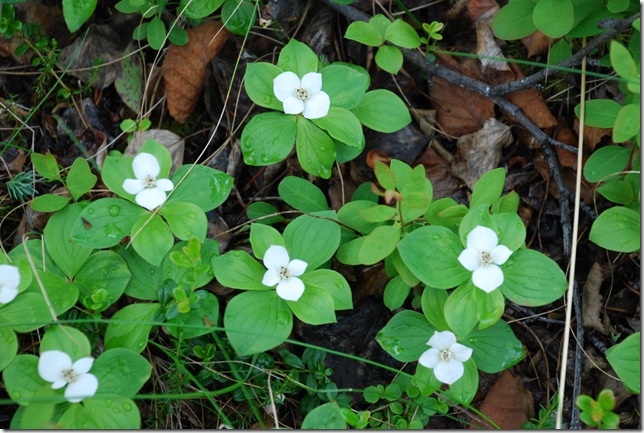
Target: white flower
[
  {"x": 482, "y": 255},
  {"x": 149, "y": 191},
  {"x": 56, "y": 367},
  {"x": 283, "y": 272},
  {"x": 9, "y": 282},
  {"x": 446, "y": 357},
  {"x": 305, "y": 96}
]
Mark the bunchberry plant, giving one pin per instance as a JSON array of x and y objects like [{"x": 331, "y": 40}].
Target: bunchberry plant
[
  {"x": 380, "y": 30},
  {"x": 318, "y": 109}
]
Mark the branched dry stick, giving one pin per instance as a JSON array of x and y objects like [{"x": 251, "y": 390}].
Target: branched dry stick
[{"x": 495, "y": 92}]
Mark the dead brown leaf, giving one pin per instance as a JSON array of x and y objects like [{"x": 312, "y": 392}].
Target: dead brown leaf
[
  {"x": 591, "y": 301},
  {"x": 566, "y": 135},
  {"x": 480, "y": 152},
  {"x": 174, "y": 143},
  {"x": 477, "y": 7},
  {"x": 531, "y": 103},
  {"x": 592, "y": 135},
  {"x": 508, "y": 403},
  {"x": 439, "y": 172},
  {"x": 537, "y": 43},
  {"x": 460, "y": 111},
  {"x": 184, "y": 68},
  {"x": 486, "y": 45}
]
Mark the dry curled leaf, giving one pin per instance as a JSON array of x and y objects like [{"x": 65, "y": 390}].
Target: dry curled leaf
[
  {"x": 486, "y": 47},
  {"x": 184, "y": 68},
  {"x": 480, "y": 152},
  {"x": 508, "y": 403},
  {"x": 591, "y": 302}
]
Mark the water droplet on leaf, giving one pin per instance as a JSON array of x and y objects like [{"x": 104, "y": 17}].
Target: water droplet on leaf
[{"x": 115, "y": 210}]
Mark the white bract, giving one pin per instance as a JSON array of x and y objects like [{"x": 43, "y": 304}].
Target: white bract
[
  {"x": 150, "y": 192},
  {"x": 283, "y": 272},
  {"x": 446, "y": 357},
  {"x": 482, "y": 256},
  {"x": 302, "y": 96},
  {"x": 9, "y": 282},
  {"x": 56, "y": 366}
]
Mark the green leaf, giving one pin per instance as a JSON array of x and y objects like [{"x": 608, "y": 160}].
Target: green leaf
[
  {"x": 460, "y": 309},
  {"x": 239, "y": 16},
  {"x": 80, "y": 178},
  {"x": 405, "y": 336},
  {"x": 389, "y": 59},
  {"x": 378, "y": 213},
  {"x": 396, "y": 292},
  {"x": 258, "y": 82},
  {"x": 315, "y": 149},
  {"x": 103, "y": 271},
  {"x": 445, "y": 212},
  {"x": 133, "y": 333},
  {"x": 8, "y": 346},
  {"x": 115, "y": 413},
  {"x": 432, "y": 302},
  {"x": 431, "y": 254},
  {"x": 268, "y": 138},
  {"x": 151, "y": 238},
  {"x": 262, "y": 237},
  {"x": 511, "y": 229},
  {"x": 600, "y": 113},
  {"x": 312, "y": 239},
  {"x": 103, "y": 223},
  {"x": 46, "y": 165},
  {"x": 342, "y": 125},
  {"x": 554, "y": 18},
  {"x": 315, "y": 306},
  {"x": 559, "y": 52},
  {"x": 351, "y": 214},
  {"x": 488, "y": 188},
  {"x": 203, "y": 186},
  {"x": 625, "y": 358},
  {"x": 238, "y": 270},
  {"x": 381, "y": 23},
  {"x": 514, "y": 20},
  {"x": 495, "y": 348},
  {"x": 334, "y": 283},
  {"x": 61, "y": 293},
  {"x": 26, "y": 312},
  {"x": 378, "y": 244},
  {"x": 297, "y": 57},
  {"x": 145, "y": 280},
  {"x": 617, "y": 229},
  {"x": 302, "y": 195},
  {"x": 606, "y": 161},
  {"x": 532, "y": 279},
  {"x": 156, "y": 33},
  {"x": 186, "y": 220},
  {"x": 617, "y": 6},
  {"x": 462, "y": 391},
  {"x": 258, "y": 212},
  {"x": 198, "y": 321},
  {"x": 622, "y": 61},
  {"x": 382, "y": 111},
  {"x": 489, "y": 307},
  {"x": 627, "y": 123},
  {"x": 201, "y": 253},
  {"x": 402, "y": 34},
  {"x": 21, "y": 379},
  {"x": 49, "y": 203},
  {"x": 67, "y": 339},
  {"x": 364, "y": 33},
  {"x": 77, "y": 12},
  {"x": 345, "y": 84},
  {"x": 68, "y": 255},
  {"x": 618, "y": 191},
  {"x": 326, "y": 416},
  {"x": 199, "y": 8},
  {"x": 257, "y": 321}
]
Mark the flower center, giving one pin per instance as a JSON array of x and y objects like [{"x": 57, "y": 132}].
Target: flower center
[
  {"x": 149, "y": 182},
  {"x": 284, "y": 273},
  {"x": 486, "y": 258},
  {"x": 303, "y": 94},
  {"x": 445, "y": 355},
  {"x": 69, "y": 375}
]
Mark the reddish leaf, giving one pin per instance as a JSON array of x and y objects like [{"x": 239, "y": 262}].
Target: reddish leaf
[
  {"x": 531, "y": 103},
  {"x": 184, "y": 68},
  {"x": 508, "y": 403}
]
